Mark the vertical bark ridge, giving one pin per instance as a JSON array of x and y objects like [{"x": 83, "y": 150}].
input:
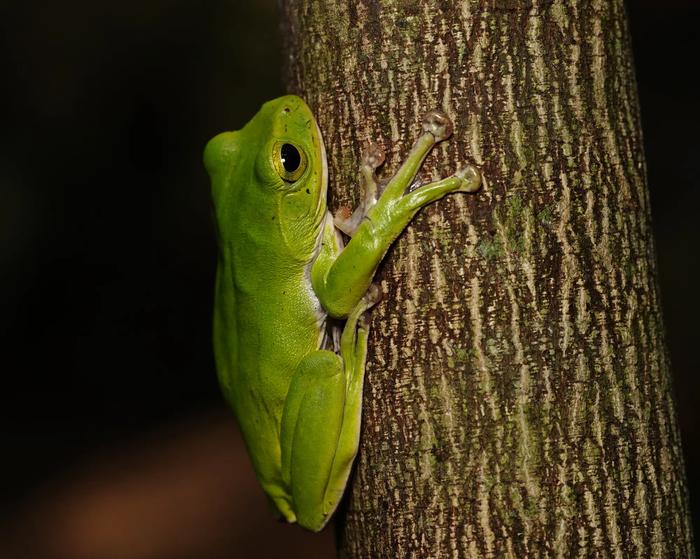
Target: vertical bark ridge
[{"x": 518, "y": 395}]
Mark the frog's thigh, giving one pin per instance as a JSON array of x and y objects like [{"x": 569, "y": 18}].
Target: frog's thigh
[{"x": 311, "y": 427}]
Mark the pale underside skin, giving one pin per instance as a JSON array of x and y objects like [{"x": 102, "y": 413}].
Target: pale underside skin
[{"x": 282, "y": 271}]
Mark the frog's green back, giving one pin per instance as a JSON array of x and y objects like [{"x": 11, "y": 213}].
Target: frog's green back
[{"x": 266, "y": 316}]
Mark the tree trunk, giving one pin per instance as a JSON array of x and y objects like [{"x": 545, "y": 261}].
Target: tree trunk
[{"x": 518, "y": 395}]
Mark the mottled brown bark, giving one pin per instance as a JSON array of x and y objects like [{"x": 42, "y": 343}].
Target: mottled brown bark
[{"x": 518, "y": 398}]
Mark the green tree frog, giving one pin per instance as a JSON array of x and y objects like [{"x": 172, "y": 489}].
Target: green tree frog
[{"x": 295, "y": 383}]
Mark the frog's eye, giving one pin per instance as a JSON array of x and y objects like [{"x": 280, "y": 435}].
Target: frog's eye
[{"x": 290, "y": 161}]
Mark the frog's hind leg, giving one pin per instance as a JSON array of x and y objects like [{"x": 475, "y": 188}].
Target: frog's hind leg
[
  {"x": 320, "y": 427},
  {"x": 311, "y": 425},
  {"x": 353, "y": 349}
]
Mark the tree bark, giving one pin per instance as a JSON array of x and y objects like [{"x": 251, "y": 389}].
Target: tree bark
[{"x": 518, "y": 391}]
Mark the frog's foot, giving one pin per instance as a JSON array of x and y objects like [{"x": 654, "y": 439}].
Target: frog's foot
[
  {"x": 356, "y": 327},
  {"x": 470, "y": 177},
  {"x": 371, "y": 298},
  {"x": 405, "y": 191},
  {"x": 372, "y": 158},
  {"x": 438, "y": 124},
  {"x": 343, "y": 220}
]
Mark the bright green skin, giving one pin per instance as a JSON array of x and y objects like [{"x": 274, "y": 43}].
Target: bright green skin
[{"x": 281, "y": 272}]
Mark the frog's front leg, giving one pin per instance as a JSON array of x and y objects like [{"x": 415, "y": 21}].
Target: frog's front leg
[
  {"x": 341, "y": 278},
  {"x": 372, "y": 158},
  {"x": 320, "y": 429}
]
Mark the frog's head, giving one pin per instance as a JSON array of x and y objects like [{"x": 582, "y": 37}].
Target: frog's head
[
  {"x": 292, "y": 161},
  {"x": 275, "y": 165}
]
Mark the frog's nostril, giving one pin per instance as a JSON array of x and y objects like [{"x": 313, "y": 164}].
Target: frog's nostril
[{"x": 286, "y": 109}]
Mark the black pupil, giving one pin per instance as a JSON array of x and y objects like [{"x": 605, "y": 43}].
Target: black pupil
[{"x": 290, "y": 158}]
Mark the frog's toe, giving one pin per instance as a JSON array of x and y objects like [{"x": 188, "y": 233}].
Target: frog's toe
[
  {"x": 470, "y": 177},
  {"x": 373, "y": 295},
  {"x": 438, "y": 124},
  {"x": 373, "y": 156}
]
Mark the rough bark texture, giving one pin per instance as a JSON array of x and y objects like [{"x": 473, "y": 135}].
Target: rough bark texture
[{"x": 518, "y": 398}]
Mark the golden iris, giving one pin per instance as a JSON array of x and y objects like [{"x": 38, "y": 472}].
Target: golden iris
[{"x": 289, "y": 160}]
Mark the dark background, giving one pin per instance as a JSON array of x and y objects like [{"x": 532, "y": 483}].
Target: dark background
[{"x": 114, "y": 435}]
